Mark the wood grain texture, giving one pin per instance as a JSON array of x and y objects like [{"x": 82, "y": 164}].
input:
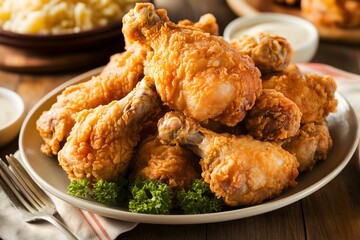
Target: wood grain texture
[
  {"x": 285, "y": 223},
  {"x": 20, "y": 60}
]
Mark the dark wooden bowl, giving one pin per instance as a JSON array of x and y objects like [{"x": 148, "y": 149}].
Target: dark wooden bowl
[{"x": 65, "y": 43}]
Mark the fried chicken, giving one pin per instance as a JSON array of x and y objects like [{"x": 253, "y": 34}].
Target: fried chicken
[
  {"x": 274, "y": 117},
  {"x": 173, "y": 165},
  {"x": 127, "y": 67},
  {"x": 194, "y": 72},
  {"x": 101, "y": 143},
  {"x": 312, "y": 144},
  {"x": 313, "y": 94},
  {"x": 207, "y": 23},
  {"x": 270, "y": 53},
  {"x": 117, "y": 79},
  {"x": 239, "y": 169}
]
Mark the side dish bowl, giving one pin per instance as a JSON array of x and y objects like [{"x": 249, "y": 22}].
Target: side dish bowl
[
  {"x": 301, "y": 34},
  {"x": 12, "y": 112},
  {"x": 62, "y": 43}
]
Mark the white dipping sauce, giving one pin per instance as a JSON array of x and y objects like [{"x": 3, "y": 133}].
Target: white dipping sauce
[
  {"x": 8, "y": 111},
  {"x": 293, "y": 34}
]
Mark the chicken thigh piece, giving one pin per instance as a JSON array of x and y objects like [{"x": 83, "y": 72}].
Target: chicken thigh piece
[
  {"x": 173, "y": 165},
  {"x": 117, "y": 79},
  {"x": 270, "y": 53},
  {"x": 313, "y": 94},
  {"x": 313, "y": 143},
  {"x": 101, "y": 143},
  {"x": 240, "y": 169},
  {"x": 274, "y": 117},
  {"x": 197, "y": 73}
]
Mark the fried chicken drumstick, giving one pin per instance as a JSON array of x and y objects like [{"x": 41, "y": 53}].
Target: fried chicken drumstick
[
  {"x": 270, "y": 53},
  {"x": 117, "y": 80},
  {"x": 239, "y": 169},
  {"x": 197, "y": 73},
  {"x": 274, "y": 117},
  {"x": 312, "y": 93},
  {"x": 312, "y": 144},
  {"x": 101, "y": 143}
]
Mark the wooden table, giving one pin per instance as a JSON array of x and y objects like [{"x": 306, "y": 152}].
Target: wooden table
[{"x": 333, "y": 212}]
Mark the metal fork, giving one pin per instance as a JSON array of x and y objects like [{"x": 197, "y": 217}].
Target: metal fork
[{"x": 27, "y": 196}]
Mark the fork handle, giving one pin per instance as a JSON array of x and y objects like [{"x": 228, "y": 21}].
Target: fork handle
[{"x": 59, "y": 225}]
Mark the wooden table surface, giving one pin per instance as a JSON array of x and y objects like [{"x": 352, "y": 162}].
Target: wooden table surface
[{"x": 333, "y": 212}]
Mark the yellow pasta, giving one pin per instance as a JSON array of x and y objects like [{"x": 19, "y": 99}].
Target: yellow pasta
[{"x": 60, "y": 16}]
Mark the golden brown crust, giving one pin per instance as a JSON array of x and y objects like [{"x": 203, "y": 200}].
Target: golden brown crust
[
  {"x": 117, "y": 79},
  {"x": 173, "y": 165},
  {"x": 312, "y": 144},
  {"x": 102, "y": 141},
  {"x": 270, "y": 53},
  {"x": 274, "y": 117},
  {"x": 194, "y": 72},
  {"x": 313, "y": 94}
]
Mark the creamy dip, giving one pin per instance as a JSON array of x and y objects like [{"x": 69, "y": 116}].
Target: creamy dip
[
  {"x": 294, "y": 35},
  {"x": 9, "y": 111}
]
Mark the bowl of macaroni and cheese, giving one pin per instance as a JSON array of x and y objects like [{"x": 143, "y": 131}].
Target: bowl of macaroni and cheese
[{"x": 56, "y": 26}]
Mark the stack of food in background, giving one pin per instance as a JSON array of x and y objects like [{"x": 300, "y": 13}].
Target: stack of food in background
[{"x": 334, "y": 13}]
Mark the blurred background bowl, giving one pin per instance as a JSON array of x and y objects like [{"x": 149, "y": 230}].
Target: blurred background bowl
[
  {"x": 300, "y": 33},
  {"x": 12, "y": 115},
  {"x": 65, "y": 43}
]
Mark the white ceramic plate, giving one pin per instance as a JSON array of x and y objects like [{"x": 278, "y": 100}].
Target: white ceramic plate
[{"x": 50, "y": 176}]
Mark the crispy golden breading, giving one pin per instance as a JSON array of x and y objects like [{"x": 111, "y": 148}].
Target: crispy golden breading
[
  {"x": 274, "y": 117},
  {"x": 312, "y": 144},
  {"x": 118, "y": 79},
  {"x": 270, "y": 53},
  {"x": 313, "y": 94},
  {"x": 194, "y": 72},
  {"x": 101, "y": 143},
  {"x": 207, "y": 23},
  {"x": 173, "y": 165},
  {"x": 239, "y": 169},
  {"x": 200, "y": 109}
]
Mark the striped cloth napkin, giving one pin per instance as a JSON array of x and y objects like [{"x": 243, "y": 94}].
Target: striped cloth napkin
[{"x": 83, "y": 224}]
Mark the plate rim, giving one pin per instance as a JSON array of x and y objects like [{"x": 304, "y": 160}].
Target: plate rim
[{"x": 175, "y": 219}]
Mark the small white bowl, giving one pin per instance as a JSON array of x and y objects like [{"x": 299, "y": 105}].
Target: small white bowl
[
  {"x": 12, "y": 112},
  {"x": 300, "y": 33}
]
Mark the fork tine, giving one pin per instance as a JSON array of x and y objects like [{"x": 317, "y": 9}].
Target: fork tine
[
  {"x": 24, "y": 178},
  {"x": 11, "y": 187},
  {"x": 15, "y": 181},
  {"x": 21, "y": 183},
  {"x": 9, "y": 192}
]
